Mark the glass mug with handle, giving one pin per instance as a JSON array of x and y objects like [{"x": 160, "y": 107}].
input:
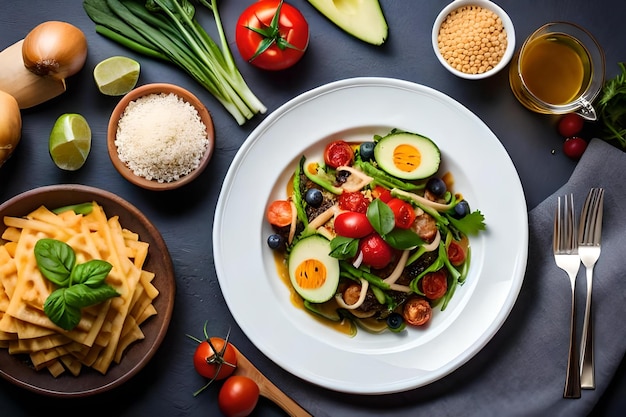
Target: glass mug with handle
[{"x": 559, "y": 69}]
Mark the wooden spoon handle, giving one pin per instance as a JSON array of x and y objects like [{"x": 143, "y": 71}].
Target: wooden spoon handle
[{"x": 268, "y": 389}]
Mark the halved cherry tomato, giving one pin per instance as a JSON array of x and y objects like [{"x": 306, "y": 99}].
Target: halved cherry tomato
[
  {"x": 376, "y": 252},
  {"x": 338, "y": 153},
  {"x": 417, "y": 311},
  {"x": 403, "y": 212},
  {"x": 381, "y": 193},
  {"x": 435, "y": 284},
  {"x": 353, "y": 201},
  {"x": 353, "y": 224},
  {"x": 238, "y": 396},
  {"x": 215, "y": 364},
  {"x": 287, "y": 41},
  {"x": 456, "y": 254},
  {"x": 279, "y": 213}
]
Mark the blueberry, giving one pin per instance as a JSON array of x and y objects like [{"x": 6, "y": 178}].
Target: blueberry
[
  {"x": 274, "y": 241},
  {"x": 313, "y": 197},
  {"x": 367, "y": 151},
  {"x": 395, "y": 322},
  {"x": 462, "y": 209},
  {"x": 436, "y": 186}
]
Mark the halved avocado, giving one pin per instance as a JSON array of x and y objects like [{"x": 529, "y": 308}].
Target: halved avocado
[
  {"x": 313, "y": 273},
  {"x": 363, "y": 19},
  {"x": 409, "y": 156}
]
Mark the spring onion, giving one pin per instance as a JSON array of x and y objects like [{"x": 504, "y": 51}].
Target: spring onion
[{"x": 169, "y": 30}]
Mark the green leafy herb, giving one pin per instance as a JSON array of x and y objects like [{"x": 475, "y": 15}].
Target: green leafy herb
[
  {"x": 169, "y": 30},
  {"x": 344, "y": 247},
  {"x": 80, "y": 285},
  {"x": 612, "y": 108},
  {"x": 383, "y": 220},
  {"x": 470, "y": 224}
]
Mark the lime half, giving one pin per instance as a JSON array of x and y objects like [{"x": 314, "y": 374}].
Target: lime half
[
  {"x": 116, "y": 76},
  {"x": 70, "y": 141}
]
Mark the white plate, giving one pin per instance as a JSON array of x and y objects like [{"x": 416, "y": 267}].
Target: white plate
[{"x": 355, "y": 109}]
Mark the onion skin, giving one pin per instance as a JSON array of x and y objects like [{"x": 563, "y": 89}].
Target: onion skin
[
  {"x": 10, "y": 126},
  {"x": 55, "y": 49}
]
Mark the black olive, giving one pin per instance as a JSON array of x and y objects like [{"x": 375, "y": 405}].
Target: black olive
[
  {"x": 436, "y": 186},
  {"x": 313, "y": 197},
  {"x": 274, "y": 241},
  {"x": 462, "y": 209},
  {"x": 395, "y": 322}
]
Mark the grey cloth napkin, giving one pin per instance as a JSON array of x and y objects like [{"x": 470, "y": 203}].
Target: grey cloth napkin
[{"x": 521, "y": 371}]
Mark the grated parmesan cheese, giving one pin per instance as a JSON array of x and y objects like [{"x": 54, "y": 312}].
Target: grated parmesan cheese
[{"x": 161, "y": 137}]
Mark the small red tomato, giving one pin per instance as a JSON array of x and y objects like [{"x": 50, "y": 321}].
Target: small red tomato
[
  {"x": 417, "y": 311},
  {"x": 456, "y": 254},
  {"x": 381, "y": 193},
  {"x": 354, "y": 201},
  {"x": 570, "y": 125},
  {"x": 279, "y": 213},
  {"x": 338, "y": 153},
  {"x": 268, "y": 46},
  {"x": 376, "y": 252},
  {"x": 435, "y": 284},
  {"x": 353, "y": 225},
  {"x": 215, "y": 364},
  {"x": 238, "y": 396},
  {"x": 403, "y": 213},
  {"x": 574, "y": 147}
]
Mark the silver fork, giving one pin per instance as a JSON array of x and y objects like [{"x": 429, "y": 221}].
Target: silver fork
[
  {"x": 589, "y": 232},
  {"x": 565, "y": 248}
]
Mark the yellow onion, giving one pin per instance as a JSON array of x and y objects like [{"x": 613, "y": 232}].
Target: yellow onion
[
  {"x": 10, "y": 125},
  {"x": 55, "y": 49}
]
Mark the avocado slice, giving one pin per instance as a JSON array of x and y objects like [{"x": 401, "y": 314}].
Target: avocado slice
[{"x": 363, "y": 19}]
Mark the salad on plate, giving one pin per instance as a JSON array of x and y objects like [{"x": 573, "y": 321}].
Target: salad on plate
[{"x": 373, "y": 236}]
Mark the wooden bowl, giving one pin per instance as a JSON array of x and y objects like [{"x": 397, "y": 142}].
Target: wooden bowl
[
  {"x": 145, "y": 90},
  {"x": 18, "y": 370}
]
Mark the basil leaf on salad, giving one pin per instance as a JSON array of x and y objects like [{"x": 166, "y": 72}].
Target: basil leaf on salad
[
  {"x": 344, "y": 247},
  {"x": 381, "y": 217}
]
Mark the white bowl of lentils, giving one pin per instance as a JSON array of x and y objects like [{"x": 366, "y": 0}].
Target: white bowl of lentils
[{"x": 473, "y": 39}]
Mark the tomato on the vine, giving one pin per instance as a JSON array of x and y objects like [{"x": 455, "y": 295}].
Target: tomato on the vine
[
  {"x": 338, "y": 153},
  {"x": 376, "y": 252},
  {"x": 238, "y": 396},
  {"x": 272, "y": 35},
  {"x": 403, "y": 213},
  {"x": 215, "y": 358}
]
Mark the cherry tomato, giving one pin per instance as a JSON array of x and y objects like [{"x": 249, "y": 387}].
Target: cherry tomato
[
  {"x": 435, "y": 284},
  {"x": 338, "y": 153},
  {"x": 456, "y": 254},
  {"x": 417, "y": 311},
  {"x": 353, "y": 224},
  {"x": 354, "y": 201},
  {"x": 570, "y": 125},
  {"x": 279, "y": 213},
  {"x": 238, "y": 396},
  {"x": 574, "y": 147},
  {"x": 403, "y": 212},
  {"x": 381, "y": 193},
  {"x": 215, "y": 364},
  {"x": 277, "y": 47},
  {"x": 376, "y": 252}
]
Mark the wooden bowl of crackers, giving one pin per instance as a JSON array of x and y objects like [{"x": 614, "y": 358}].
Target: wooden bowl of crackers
[{"x": 115, "y": 338}]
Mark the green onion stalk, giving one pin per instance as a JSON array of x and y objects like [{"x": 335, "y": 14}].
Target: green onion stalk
[{"x": 168, "y": 30}]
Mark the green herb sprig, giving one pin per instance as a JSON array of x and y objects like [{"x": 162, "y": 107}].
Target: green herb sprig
[
  {"x": 612, "y": 108},
  {"x": 80, "y": 285}
]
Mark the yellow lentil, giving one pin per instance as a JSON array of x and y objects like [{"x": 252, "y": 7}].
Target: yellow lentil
[{"x": 472, "y": 39}]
